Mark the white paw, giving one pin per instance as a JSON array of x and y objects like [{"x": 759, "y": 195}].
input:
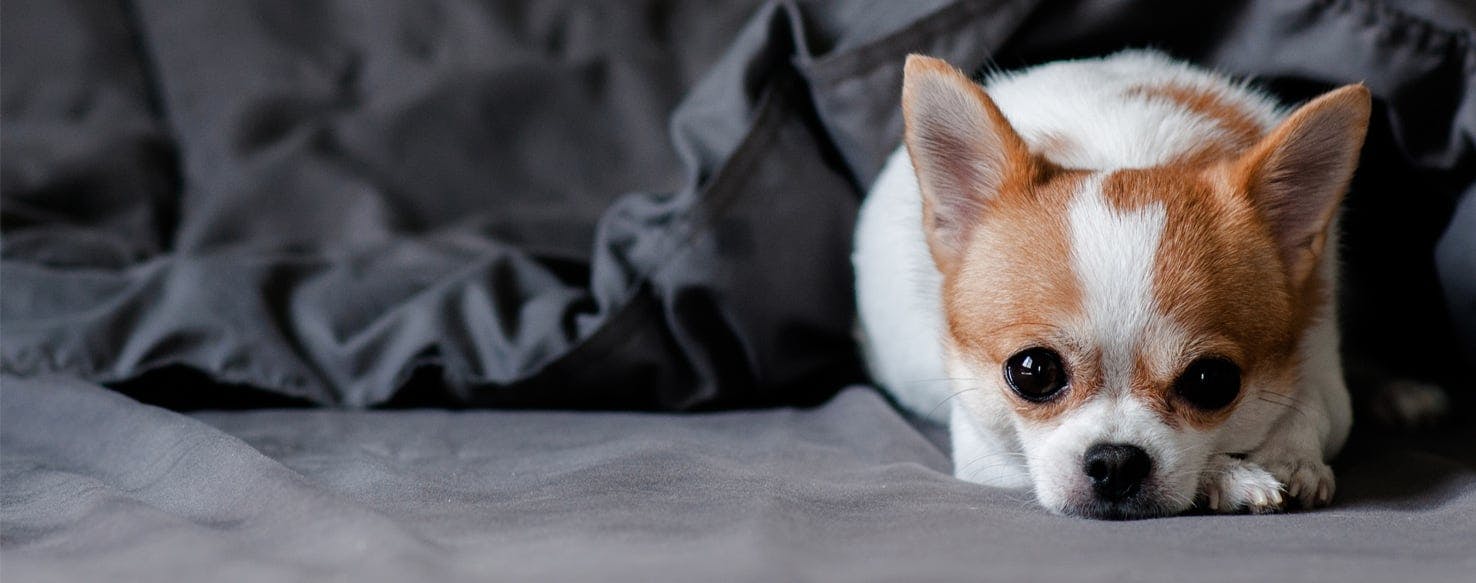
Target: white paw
[
  {"x": 1233, "y": 485},
  {"x": 1309, "y": 482}
]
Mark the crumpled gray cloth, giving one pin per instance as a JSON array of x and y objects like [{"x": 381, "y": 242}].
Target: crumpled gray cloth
[
  {"x": 98, "y": 487},
  {"x": 622, "y": 205}
]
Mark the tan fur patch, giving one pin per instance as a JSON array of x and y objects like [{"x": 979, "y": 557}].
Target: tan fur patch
[
  {"x": 1016, "y": 285},
  {"x": 1239, "y": 127},
  {"x": 1217, "y": 277}
]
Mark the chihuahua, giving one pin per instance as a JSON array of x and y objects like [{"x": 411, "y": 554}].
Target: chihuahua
[{"x": 1114, "y": 280}]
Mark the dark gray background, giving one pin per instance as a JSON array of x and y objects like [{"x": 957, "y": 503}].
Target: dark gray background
[{"x": 633, "y": 205}]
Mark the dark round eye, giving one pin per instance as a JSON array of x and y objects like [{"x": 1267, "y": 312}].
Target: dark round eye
[
  {"x": 1035, "y": 374},
  {"x": 1209, "y": 383}
]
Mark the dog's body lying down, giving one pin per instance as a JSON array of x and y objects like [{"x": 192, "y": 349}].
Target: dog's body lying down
[{"x": 1114, "y": 279}]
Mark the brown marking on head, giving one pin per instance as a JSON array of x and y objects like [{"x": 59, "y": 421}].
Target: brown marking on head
[
  {"x": 1015, "y": 287},
  {"x": 1235, "y": 262},
  {"x": 1240, "y": 128},
  {"x": 1216, "y": 281},
  {"x": 988, "y": 204}
]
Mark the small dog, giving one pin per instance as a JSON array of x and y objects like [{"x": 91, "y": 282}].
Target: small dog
[{"x": 1114, "y": 279}]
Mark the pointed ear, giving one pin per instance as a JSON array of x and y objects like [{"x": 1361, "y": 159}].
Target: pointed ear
[
  {"x": 1297, "y": 175},
  {"x": 962, "y": 149}
]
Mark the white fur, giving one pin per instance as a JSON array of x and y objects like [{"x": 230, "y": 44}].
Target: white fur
[
  {"x": 1088, "y": 103},
  {"x": 1112, "y": 256},
  {"x": 897, "y": 294},
  {"x": 1237, "y": 484}
]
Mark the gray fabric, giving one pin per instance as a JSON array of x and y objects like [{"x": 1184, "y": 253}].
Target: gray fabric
[
  {"x": 561, "y": 203},
  {"x": 844, "y": 492}
]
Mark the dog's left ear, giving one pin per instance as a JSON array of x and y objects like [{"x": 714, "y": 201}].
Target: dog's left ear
[
  {"x": 1297, "y": 175},
  {"x": 963, "y": 151}
]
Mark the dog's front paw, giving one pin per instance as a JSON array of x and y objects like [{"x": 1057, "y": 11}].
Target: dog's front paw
[
  {"x": 1233, "y": 485},
  {"x": 1308, "y": 481}
]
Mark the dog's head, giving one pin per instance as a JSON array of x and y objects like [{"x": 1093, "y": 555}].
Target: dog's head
[{"x": 1127, "y": 324}]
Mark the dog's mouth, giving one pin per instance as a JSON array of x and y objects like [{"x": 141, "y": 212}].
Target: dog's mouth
[
  {"x": 1152, "y": 499},
  {"x": 1138, "y": 508},
  {"x": 1116, "y": 482}
]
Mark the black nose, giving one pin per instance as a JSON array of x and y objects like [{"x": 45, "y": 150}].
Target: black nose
[{"x": 1116, "y": 470}]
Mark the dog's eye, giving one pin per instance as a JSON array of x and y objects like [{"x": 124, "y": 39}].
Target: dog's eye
[
  {"x": 1035, "y": 374},
  {"x": 1209, "y": 383}
]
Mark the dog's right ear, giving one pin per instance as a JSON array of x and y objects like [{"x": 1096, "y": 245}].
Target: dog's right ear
[
  {"x": 1298, "y": 174},
  {"x": 963, "y": 151}
]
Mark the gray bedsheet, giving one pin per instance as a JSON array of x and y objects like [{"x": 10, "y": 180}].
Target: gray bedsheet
[{"x": 848, "y": 491}]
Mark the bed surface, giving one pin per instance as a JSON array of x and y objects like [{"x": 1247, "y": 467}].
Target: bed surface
[{"x": 847, "y": 491}]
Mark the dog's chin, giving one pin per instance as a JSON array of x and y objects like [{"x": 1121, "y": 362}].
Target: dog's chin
[
  {"x": 1132, "y": 509},
  {"x": 1149, "y": 503}
]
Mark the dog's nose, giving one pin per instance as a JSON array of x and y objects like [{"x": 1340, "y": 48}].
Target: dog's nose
[{"x": 1116, "y": 469}]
